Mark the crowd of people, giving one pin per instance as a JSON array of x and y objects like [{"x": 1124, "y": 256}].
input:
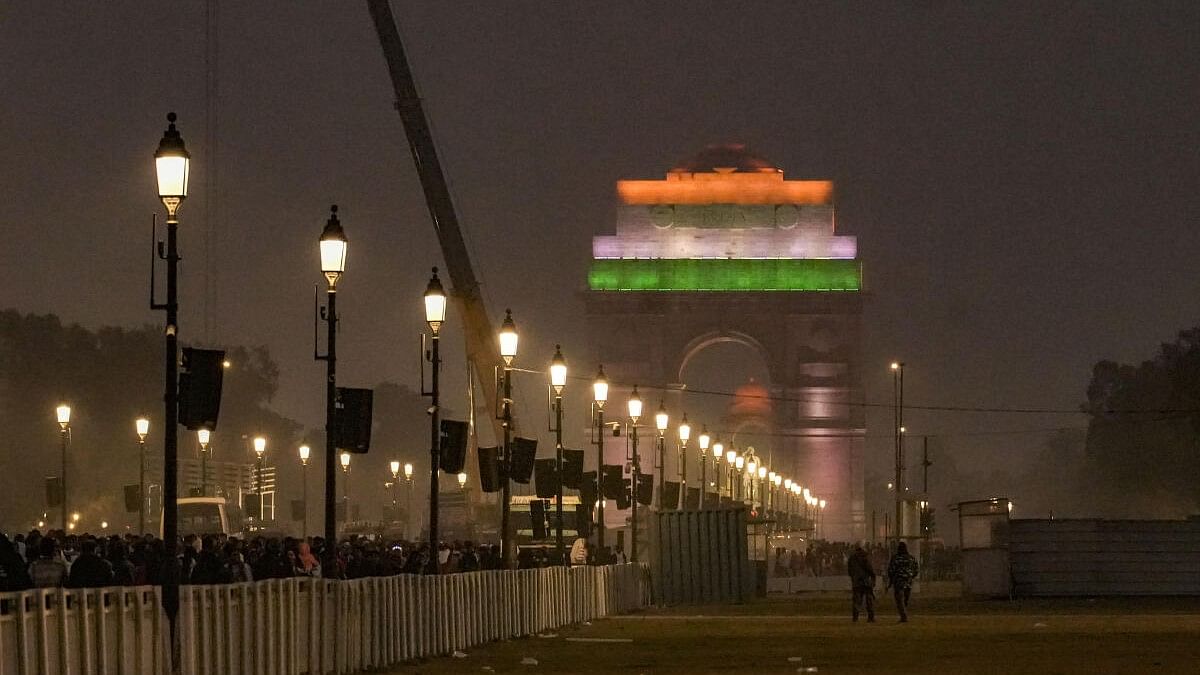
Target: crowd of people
[
  {"x": 37, "y": 560},
  {"x": 828, "y": 558}
]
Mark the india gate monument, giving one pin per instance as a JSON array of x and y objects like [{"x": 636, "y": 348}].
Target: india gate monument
[{"x": 726, "y": 249}]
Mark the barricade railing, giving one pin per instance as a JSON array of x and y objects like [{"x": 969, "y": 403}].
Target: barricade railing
[{"x": 303, "y": 626}]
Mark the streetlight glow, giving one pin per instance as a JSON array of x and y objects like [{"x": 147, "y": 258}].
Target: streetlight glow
[
  {"x": 762, "y": 472},
  {"x": 508, "y": 338},
  {"x": 305, "y": 453},
  {"x": 661, "y": 418},
  {"x": 333, "y": 248},
  {"x": 635, "y": 405},
  {"x": 730, "y": 456},
  {"x": 600, "y": 388},
  {"x": 739, "y": 462},
  {"x": 435, "y": 303},
  {"x": 462, "y": 481},
  {"x": 345, "y": 461},
  {"x": 204, "y": 436},
  {"x": 63, "y": 412},
  {"x": 685, "y": 430},
  {"x": 705, "y": 440},
  {"x": 718, "y": 449},
  {"x": 260, "y": 446},
  {"x": 142, "y": 426},
  {"x": 394, "y": 465},
  {"x": 558, "y": 371},
  {"x": 172, "y": 164},
  {"x": 408, "y": 471}
]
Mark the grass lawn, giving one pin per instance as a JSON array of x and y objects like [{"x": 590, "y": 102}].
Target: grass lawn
[{"x": 945, "y": 635}]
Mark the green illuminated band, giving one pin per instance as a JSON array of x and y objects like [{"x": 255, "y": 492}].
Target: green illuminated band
[{"x": 777, "y": 274}]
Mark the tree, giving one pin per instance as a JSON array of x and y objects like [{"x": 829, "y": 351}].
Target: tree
[{"x": 1143, "y": 433}]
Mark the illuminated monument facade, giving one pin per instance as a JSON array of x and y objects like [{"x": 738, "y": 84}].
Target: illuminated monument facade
[{"x": 725, "y": 249}]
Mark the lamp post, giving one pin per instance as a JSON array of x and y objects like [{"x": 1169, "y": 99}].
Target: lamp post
[
  {"x": 718, "y": 452},
  {"x": 345, "y": 459},
  {"x": 660, "y": 422},
  {"x": 141, "y": 426},
  {"x": 558, "y": 381},
  {"x": 333, "y": 248},
  {"x": 685, "y": 433},
  {"x": 408, "y": 480},
  {"x": 752, "y": 469},
  {"x": 394, "y": 465},
  {"x": 203, "y": 436},
  {"x": 63, "y": 413},
  {"x": 305, "y": 453},
  {"x": 731, "y": 456},
  {"x": 508, "y": 351},
  {"x": 898, "y": 418},
  {"x": 762, "y": 487},
  {"x": 705, "y": 440},
  {"x": 260, "y": 448},
  {"x": 435, "y": 316},
  {"x": 635, "y": 414},
  {"x": 740, "y": 463},
  {"x": 172, "y": 165},
  {"x": 599, "y": 397}
]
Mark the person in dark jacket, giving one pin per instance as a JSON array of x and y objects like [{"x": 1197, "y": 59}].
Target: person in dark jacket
[
  {"x": 14, "y": 574},
  {"x": 902, "y": 569},
  {"x": 89, "y": 570},
  {"x": 862, "y": 583}
]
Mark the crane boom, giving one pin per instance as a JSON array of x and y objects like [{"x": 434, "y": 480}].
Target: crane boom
[{"x": 482, "y": 351}]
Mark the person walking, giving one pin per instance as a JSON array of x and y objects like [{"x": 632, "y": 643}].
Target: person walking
[
  {"x": 862, "y": 583},
  {"x": 902, "y": 569}
]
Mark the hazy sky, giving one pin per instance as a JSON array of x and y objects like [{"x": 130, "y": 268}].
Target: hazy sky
[{"x": 1022, "y": 177}]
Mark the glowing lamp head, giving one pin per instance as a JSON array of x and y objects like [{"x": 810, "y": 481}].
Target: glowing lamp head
[
  {"x": 142, "y": 426},
  {"x": 777, "y": 480},
  {"x": 558, "y": 371},
  {"x": 895, "y": 365},
  {"x": 739, "y": 462},
  {"x": 807, "y": 493},
  {"x": 730, "y": 456},
  {"x": 462, "y": 480},
  {"x": 705, "y": 439},
  {"x": 435, "y": 303},
  {"x": 305, "y": 453},
  {"x": 771, "y": 476},
  {"x": 821, "y": 503},
  {"x": 260, "y": 446},
  {"x": 172, "y": 165},
  {"x": 600, "y": 389},
  {"x": 408, "y": 471},
  {"x": 787, "y": 484},
  {"x": 345, "y": 461},
  {"x": 661, "y": 419},
  {"x": 752, "y": 466},
  {"x": 75, "y": 517},
  {"x": 204, "y": 436},
  {"x": 718, "y": 449},
  {"x": 508, "y": 338},
  {"x": 63, "y": 413},
  {"x": 104, "y": 524},
  {"x": 1010, "y": 507},
  {"x": 394, "y": 465},
  {"x": 635, "y": 405},
  {"x": 333, "y": 248},
  {"x": 685, "y": 430},
  {"x": 762, "y": 472}
]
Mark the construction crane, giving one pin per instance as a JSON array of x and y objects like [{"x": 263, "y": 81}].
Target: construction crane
[{"x": 482, "y": 351}]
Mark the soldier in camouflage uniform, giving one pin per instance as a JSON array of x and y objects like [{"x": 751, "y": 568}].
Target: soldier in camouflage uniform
[{"x": 901, "y": 571}]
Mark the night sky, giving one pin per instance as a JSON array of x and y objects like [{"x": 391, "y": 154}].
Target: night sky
[{"x": 1022, "y": 177}]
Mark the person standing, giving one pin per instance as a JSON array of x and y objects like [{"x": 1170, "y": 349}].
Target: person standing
[
  {"x": 902, "y": 569},
  {"x": 862, "y": 583}
]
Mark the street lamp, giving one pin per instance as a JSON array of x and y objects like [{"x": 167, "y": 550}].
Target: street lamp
[
  {"x": 203, "y": 436},
  {"x": 508, "y": 351},
  {"x": 740, "y": 464},
  {"x": 333, "y": 248},
  {"x": 435, "y": 316},
  {"x": 394, "y": 466},
  {"x": 718, "y": 451},
  {"x": 730, "y": 457},
  {"x": 635, "y": 414},
  {"x": 898, "y": 419},
  {"x": 408, "y": 480},
  {"x": 685, "y": 433},
  {"x": 462, "y": 481},
  {"x": 345, "y": 460},
  {"x": 63, "y": 414},
  {"x": 558, "y": 381},
  {"x": 260, "y": 448},
  {"x": 661, "y": 420},
  {"x": 705, "y": 441},
  {"x": 141, "y": 426},
  {"x": 172, "y": 165},
  {"x": 762, "y": 487},
  {"x": 599, "y": 398},
  {"x": 305, "y": 453}
]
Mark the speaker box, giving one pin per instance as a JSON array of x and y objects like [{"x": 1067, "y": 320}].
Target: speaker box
[
  {"x": 133, "y": 498},
  {"x": 572, "y": 468},
  {"x": 489, "y": 469},
  {"x": 201, "y": 373},
  {"x": 452, "y": 446},
  {"x": 623, "y": 499},
  {"x": 537, "y": 511},
  {"x": 612, "y": 483},
  {"x": 545, "y": 477},
  {"x": 587, "y": 489},
  {"x": 521, "y": 462},
  {"x": 54, "y": 491},
  {"x": 669, "y": 499},
  {"x": 352, "y": 423},
  {"x": 645, "y": 489},
  {"x": 583, "y": 520}
]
